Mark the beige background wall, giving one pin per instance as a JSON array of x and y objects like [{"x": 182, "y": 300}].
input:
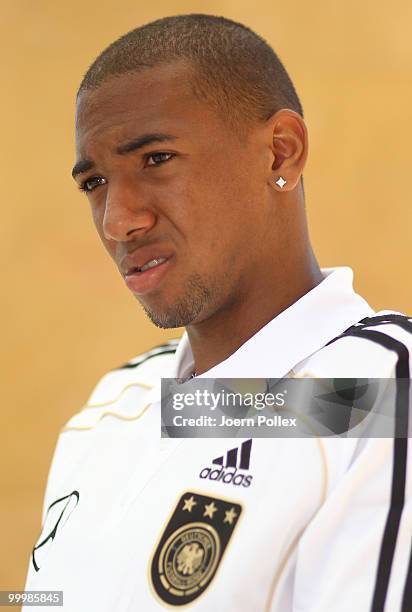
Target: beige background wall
[{"x": 66, "y": 315}]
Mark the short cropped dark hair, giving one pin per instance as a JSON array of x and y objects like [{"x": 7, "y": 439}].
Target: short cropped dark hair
[{"x": 234, "y": 69}]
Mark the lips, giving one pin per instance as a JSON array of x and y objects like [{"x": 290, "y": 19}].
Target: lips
[
  {"x": 143, "y": 283},
  {"x": 140, "y": 257},
  {"x": 149, "y": 265}
]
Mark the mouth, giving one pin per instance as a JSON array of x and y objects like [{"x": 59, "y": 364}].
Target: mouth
[
  {"x": 152, "y": 263},
  {"x": 142, "y": 280}
]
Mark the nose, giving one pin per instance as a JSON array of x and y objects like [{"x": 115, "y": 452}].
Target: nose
[{"x": 125, "y": 213}]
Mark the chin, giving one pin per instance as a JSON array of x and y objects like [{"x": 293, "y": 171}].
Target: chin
[
  {"x": 168, "y": 318},
  {"x": 193, "y": 301}
]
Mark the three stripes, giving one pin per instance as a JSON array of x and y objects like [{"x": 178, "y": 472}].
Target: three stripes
[
  {"x": 231, "y": 457},
  {"x": 400, "y": 455}
]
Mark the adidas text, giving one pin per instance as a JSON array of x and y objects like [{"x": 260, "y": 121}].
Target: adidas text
[{"x": 227, "y": 476}]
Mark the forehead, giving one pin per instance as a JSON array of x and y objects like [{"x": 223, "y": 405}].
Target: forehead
[{"x": 154, "y": 98}]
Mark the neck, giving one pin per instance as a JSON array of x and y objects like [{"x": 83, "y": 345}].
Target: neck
[{"x": 217, "y": 337}]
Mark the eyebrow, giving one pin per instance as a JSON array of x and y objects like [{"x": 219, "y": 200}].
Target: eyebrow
[{"x": 84, "y": 165}]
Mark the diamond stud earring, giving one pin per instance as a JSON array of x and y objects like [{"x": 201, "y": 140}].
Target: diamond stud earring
[{"x": 281, "y": 182}]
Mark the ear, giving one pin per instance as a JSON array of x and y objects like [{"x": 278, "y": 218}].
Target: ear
[{"x": 289, "y": 145}]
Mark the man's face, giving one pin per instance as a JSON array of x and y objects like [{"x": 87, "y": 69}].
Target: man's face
[{"x": 196, "y": 199}]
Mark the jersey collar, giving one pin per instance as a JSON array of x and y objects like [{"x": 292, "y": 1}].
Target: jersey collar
[{"x": 291, "y": 337}]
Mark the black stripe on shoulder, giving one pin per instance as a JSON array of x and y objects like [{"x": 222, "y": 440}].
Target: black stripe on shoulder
[
  {"x": 405, "y": 323},
  {"x": 395, "y": 319},
  {"x": 161, "y": 349},
  {"x": 401, "y": 320},
  {"x": 400, "y": 450}
]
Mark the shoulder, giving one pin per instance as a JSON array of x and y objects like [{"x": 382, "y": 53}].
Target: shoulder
[
  {"x": 122, "y": 395},
  {"x": 123, "y": 391},
  {"x": 374, "y": 347},
  {"x": 145, "y": 368}
]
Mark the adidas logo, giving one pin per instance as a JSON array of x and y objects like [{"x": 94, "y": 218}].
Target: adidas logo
[{"x": 229, "y": 466}]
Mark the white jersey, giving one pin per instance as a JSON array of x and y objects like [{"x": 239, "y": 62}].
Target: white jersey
[{"x": 136, "y": 522}]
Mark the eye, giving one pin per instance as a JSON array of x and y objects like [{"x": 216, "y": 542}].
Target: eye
[
  {"x": 160, "y": 157},
  {"x": 91, "y": 183}
]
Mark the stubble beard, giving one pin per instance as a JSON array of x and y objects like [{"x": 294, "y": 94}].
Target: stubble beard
[{"x": 196, "y": 295}]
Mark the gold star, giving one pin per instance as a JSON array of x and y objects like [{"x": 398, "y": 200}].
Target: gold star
[
  {"x": 210, "y": 509},
  {"x": 189, "y": 503},
  {"x": 230, "y": 515}
]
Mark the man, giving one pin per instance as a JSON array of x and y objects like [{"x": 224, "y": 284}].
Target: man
[{"x": 191, "y": 145}]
